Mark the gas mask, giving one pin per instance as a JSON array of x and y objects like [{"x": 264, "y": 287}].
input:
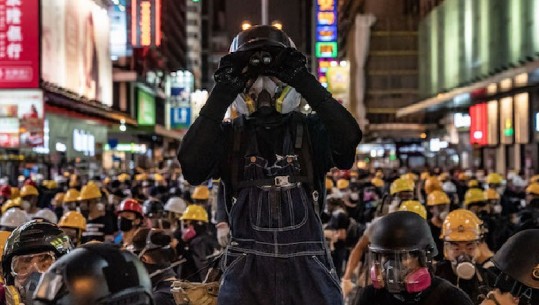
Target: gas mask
[
  {"x": 267, "y": 95},
  {"x": 464, "y": 267},
  {"x": 26, "y": 205},
  {"x": 399, "y": 271}
]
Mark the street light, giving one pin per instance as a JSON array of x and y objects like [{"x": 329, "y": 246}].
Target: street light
[
  {"x": 245, "y": 25},
  {"x": 277, "y": 24}
]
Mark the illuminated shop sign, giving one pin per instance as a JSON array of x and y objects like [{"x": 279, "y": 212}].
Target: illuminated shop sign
[
  {"x": 326, "y": 36},
  {"x": 479, "y": 124},
  {"x": 146, "y": 23}
]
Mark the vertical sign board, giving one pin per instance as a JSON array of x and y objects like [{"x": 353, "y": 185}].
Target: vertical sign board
[
  {"x": 180, "y": 117},
  {"x": 522, "y": 118},
  {"x": 479, "y": 124},
  {"x": 19, "y": 44},
  {"x": 145, "y": 23},
  {"x": 326, "y": 36},
  {"x": 507, "y": 128},
  {"x": 146, "y": 108}
]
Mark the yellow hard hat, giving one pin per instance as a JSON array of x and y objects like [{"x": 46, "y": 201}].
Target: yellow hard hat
[
  {"x": 106, "y": 181},
  {"x": 491, "y": 194},
  {"x": 463, "y": 177},
  {"x": 461, "y": 225},
  {"x": 424, "y": 175},
  {"x": 414, "y": 206},
  {"x": 474, "y": 195},
  {"x": 443, "y": 177},
  {"x": 29, "y": 190},
  {"x": 533, "y": 189},
  {"x": 410, "y": 176},
  {"x": 354, "y": 174},
  {"x": 377, "y": 182},
  {"x": 11, "y": 203},
  {"x": 437, "y": 198},
  {"x": 201, "y": 192},
  {"x": 329, "y": 184},
  {"x": 473, "y": 183},
  {"x": 141, "y": 177},
  {"x": 3, "y": 238},
  {"x": 195, "y": 212},
  {"x": 432, "y": 184},
  {"x": 124, "y": 177},
  {"x": 158, "y": 177},
  {"x": 73, "y": 219},
  {"x": 52, "y": 185},
  {"x": 71, "y": 195},
  {"x": 494, "y": 178},
  {"x": 534, "y": 179},
  {"x": 342, "y": 184},
  {"x": 379, "y": 174},
  {"x": 401, "y": 185},
  {"x": 90, "y": 191},
  {"x": 15, "y": 192},
  {"x": 59, "y": 198}
]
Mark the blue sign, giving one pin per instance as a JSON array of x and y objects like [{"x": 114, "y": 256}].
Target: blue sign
[
  {"x": 180, "y": 117},
  {"x": 326, "y": 33}
]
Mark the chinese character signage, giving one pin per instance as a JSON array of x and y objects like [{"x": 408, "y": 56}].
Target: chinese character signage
[
  {"x": 326, "y": 35},
  {"x": 146, "y": 108},
  {"x": 146, "y": 23},
  {"x": 75, "y": 48},
  {"x": 19, "y": 44},
  {"x": 21, "y": 118}
]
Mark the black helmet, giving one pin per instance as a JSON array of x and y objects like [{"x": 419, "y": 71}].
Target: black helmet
[
  {"x": 34, "y": 236},
  {"x": 95, "y": 273},
  {"x": 518, "y": 260},
  {"x": 402, "y": 231},
  {"x": 260, "y": 36},
  {"x": 153, "y": 208}
]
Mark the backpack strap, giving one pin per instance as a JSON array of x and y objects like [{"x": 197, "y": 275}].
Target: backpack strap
[{"x": 237, "y": 129}]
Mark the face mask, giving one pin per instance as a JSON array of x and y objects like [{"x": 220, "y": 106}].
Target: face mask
[
  {"x": 465, "y": 268},
  {"x": 354, "y": 196},
  {"x": 26, "y": 205},
  {"x": 281, "y": 99},
  {"x": 498, "y": 209},
  {"x": 414, "y": 282},
  {"x": 29, "y": 287},
  {"x": 443, "y": 215},
  {"x": 189, "y": 233},
  {"x": 394, "y": 206},
  {"x": 124, "y": 224},
  {"x": 418, "y": 280},
  {"x": 100, "y": 207}
]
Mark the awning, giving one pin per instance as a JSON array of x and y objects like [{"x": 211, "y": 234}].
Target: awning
[{"x": 447, "y": 99}]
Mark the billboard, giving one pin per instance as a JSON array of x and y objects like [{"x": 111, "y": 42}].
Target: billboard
[
  {"x": 75, "y": 48},
  {"x": 119, "y": 45},
  {"x": 146, "y": 108},
  {"x": 21, "y": 118},
  {"x": 145, "y": 23},
  {"x": 19, "y": 44}
]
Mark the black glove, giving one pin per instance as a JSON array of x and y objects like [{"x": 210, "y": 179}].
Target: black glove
[
  {"x": 232, "y": 71},
  {"x": 289, "y": 65}
]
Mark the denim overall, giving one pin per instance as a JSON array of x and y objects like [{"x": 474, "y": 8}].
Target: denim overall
[{"x": 277, "y": 255}]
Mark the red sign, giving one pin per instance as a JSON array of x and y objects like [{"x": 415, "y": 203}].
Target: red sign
[
  {"x": 479, "y": 124},
  {"x": 146, "y": 23},
  {"x": 19, "y": 43}
]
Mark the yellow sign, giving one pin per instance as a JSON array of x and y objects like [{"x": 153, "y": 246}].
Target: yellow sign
[
  {"x": 326, "y": 5},
  {"x": 145, "y": 23}
]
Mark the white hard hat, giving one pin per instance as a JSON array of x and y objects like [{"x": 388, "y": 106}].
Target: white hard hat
[
  {"x": 175, "y": 205},
  {"x": 13, "y": 218},
  {"x": 47, "y": 215}
]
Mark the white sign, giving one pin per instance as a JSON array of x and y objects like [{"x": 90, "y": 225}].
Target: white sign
[
  {"x": 462, "y": 120},
  {"x": 436, "y": 144},
  {"x": 537, "y": 122},
  {"x": 84, "y": 142},
  {"x": 61, "y": 147}
]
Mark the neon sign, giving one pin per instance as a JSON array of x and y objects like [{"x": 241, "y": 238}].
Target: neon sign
[
  {"x": 146, "y": 23},
  {"x": 326, "y": 36}
]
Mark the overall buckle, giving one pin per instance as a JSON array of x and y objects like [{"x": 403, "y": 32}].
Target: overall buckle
[{"x": 282, "y": 181}]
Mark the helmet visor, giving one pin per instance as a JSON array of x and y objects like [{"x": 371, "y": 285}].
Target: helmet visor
[
  {"x": 389, "y": 269},
  {"x": 22, "y": 265}
]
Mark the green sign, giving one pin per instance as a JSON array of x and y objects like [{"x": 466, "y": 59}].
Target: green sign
[
  {"x": 326, "y": 49},
  {"x": 146, "y": 108}
]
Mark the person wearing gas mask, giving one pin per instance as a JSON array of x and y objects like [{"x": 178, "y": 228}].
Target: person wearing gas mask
[
  {"x": 516, "y": 270},
  {"x": 195, "y": 244},
  {"x": 272, "y": 160},
  {"x": 461, "y": 233},
  {"x": 71, "y": 200},
  {"x": 475, "y": 200},
  {"x": 401, "y": 189},
  {"x": 29, "y": 251},
  {"x": 400, "y": 265},
  {"x": 528, "y": 218},
  {"x": 95, "y": 273},
  {"x": 153, "y": 248},
  {"x": 438, "y": 206},
  {"x": 154, "y": 212},
  {"x": 130, "y": 219},
  {"x": 98, "y": 227},
  {"x": 29, "y": 196}
]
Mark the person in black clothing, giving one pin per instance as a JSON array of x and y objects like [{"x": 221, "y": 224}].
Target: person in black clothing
[
  {"x": 401, "y": 252},
  {"x": 272, "y": 160},
  {"x": 462, "y": 234},
  {"x": 153, "y": 247},
  {"x": 528, "y": 218},
  {"x": 335, "y": 231}
]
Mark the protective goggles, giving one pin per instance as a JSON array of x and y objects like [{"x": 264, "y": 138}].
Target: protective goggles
[{"x": 22, "y": 265}]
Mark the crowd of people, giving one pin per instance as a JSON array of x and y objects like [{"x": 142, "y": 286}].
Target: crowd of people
[{"x": 169, "y": 228}]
